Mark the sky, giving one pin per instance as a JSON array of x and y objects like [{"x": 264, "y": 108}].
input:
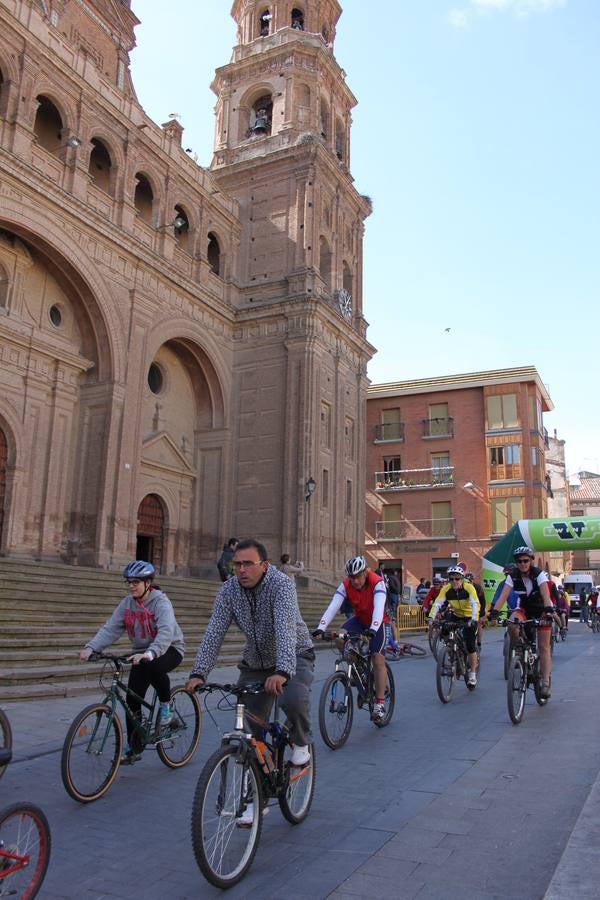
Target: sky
[{"x": 477, "y": 135}]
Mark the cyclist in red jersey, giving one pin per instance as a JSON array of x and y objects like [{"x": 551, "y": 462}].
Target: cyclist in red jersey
[{"x": 367, "y": 593}]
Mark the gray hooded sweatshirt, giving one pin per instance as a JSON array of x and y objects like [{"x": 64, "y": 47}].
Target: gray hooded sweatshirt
[{"x": 150, "y": 625}]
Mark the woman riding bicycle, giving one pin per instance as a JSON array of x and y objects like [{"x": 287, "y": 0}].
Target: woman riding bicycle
[
  {"x": 147, "y": 615},
  {"x": 464, "y": 610},
  {"x": 531, "y": 584}
]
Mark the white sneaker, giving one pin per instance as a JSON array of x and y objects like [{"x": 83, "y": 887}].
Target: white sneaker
[
  {"x": 378, "y": 712},
  {"x": 247, "y": 817},
  {"x": 300, "y": 755},
  {"x": 472, "y": 678}
]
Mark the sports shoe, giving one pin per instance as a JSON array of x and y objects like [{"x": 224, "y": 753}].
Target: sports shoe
[
  {"x": 300, "y": 755},
  {"x": 128, "y": 757},
  {"x": 247, "y": 817},
  {"x": 545, "y": 690},
  {"x": 473, "y": 678},
  {"x": 378, "y": 712},
  {"x": 165, "y": 714}
]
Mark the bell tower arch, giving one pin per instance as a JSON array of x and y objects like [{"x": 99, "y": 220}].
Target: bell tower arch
[{"x": 282, "y": 149}]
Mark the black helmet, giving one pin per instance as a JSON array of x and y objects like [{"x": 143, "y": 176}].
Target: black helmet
[{"x": 139, "y": 569}]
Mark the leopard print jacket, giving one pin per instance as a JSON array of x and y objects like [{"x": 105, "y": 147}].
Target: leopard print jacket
[{"x": 269, "y": 617}]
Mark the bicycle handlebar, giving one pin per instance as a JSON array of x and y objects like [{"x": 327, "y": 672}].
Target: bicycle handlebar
[
  {"x": 253, "y": 687},
  {"x": 111, "y": 657}
]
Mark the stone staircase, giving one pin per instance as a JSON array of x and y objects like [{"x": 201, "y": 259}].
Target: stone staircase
[{"x": 48, "y": 612}]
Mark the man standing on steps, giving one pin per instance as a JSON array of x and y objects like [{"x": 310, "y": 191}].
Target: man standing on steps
[{"x": 262, "y": 602}]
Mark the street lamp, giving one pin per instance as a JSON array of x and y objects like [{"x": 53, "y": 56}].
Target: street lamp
[{"x": 309, "y": 488}]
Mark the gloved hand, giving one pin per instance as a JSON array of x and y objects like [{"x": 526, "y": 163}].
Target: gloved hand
[
  {"x": 494, "y": 614},
  {"x": 370, "y": 633},
  {"x": 317, "y": 633}
]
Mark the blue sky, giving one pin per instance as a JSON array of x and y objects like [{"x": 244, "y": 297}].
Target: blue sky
[{"x": 477, "y": 135}]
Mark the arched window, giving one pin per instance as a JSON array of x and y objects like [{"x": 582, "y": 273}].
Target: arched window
[
  {"x": 213, "y": 253},
  {"x": 325, "y": 262},
  {"x": 143, "y": 198},
  {"x": 48, "y": 125},
  {"x": 181, "y": 227},
  {"x": 324, "y": 121},
  {"x": 303, "y": 104},
  {"x": 348, "y": 282},
  {"x": 298, "y": 19},
  {"x": 4, "y": 286},
  {"x": 264, "y": 23},
  {"x": 340, "y": 139},
  {"x": 100, "y": 165},
  {"x": 261, "y": 116}
]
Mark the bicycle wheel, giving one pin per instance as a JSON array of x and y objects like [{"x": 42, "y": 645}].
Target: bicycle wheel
[
  {"x": 24, "y": 833},
  {"x": 336, "y": 710},
  {"x": 445, "y": 674},
  {"x": 91, "y": 753},
  {"x": 297, "y": 795},
  {"x": 516, "y": 688},
  {"x": 181, "y": 740},
  {"x": 389, "y": 699},
  {"x": 227, "y": 788},
  {"x": 5, "y": 737},
  {"x": 508, "y": 651},
  {"x": 433, "y": 633}
]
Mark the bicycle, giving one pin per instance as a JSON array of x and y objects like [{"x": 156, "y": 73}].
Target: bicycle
[
  {"x": 240, "y": 778},
  {"x": 595, "y": 620},
  {"x": 413, "y": 650},
  {"x": 5, "y": 738},
  {"x": 93, "y": 747},
  {"x": 433, "y": 635},
  {"x": 24, "y": 846},
  {"x": 524, "y": 669},
  {"x": 354, "y": 668},
  {"x": 452, "y": 660}
]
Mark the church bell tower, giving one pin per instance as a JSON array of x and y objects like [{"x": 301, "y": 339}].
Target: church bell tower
[{"x": 282, "y": 150}]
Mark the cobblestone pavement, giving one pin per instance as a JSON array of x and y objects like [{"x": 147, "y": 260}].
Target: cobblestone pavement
[{"x": 447, "y": 802}]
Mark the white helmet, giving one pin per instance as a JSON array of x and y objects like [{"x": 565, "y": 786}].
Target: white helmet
[{"x": 355, "y": 566}]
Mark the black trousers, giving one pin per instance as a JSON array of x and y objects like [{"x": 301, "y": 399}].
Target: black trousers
[{"x": 155, "y": 673}]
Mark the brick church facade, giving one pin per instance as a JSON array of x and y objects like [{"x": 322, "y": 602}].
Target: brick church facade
[{"x": 182, "y": 350}]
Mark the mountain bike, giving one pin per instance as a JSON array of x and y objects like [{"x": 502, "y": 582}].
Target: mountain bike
[
  {"x": 595, "y": 620},
  {"x": 5, "y": 737},
  {"x": 236, "y": 784},
  {"x": 524, "y": 669},
  {"x": 24, "y": 846},
  {"x": 404, "y": 649},
  {"x": 354, "y": 668},
  {"x": 452, "y": 660},
  {"x": 93, "y": 747}
]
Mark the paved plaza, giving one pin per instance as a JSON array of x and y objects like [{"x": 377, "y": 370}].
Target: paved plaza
[{"x": 447, "y": 802}]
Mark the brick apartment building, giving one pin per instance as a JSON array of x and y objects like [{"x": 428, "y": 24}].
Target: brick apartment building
[
  {"x": 453, "y": 462},
  {"x": 584, "y": 499}
]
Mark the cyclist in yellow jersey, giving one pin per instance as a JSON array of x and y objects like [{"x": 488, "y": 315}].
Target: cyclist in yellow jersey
[{"x": 464, "y": 609}]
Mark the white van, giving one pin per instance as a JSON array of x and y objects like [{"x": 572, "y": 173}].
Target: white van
[{"x": 573, "y": 584}]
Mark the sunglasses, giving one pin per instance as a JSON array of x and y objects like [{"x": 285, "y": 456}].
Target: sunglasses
[
  {"x": 525, "y": 559},
  {"x": 456, "y": 578}
]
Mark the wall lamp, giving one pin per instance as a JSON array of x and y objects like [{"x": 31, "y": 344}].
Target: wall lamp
[
  {"x": 73, "y": 142},
  {"x": 469, "y": 485},
  {"x": 178, "y": 222},
  {"x": 310, "y": 487}
]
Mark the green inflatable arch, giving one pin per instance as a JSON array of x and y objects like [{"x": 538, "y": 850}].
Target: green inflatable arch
[{"x": 578, "y": 533}]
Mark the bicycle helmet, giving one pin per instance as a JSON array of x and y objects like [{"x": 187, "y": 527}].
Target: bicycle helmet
[
  {"x": 139, "y": 569},
  {"x": 462, "y": 567},
  {"x": 437, "y": 579},
  {"x": 455, "y": 570},
  {"x": 523, "y": 551},
  {"x": 355, "y": 566}
]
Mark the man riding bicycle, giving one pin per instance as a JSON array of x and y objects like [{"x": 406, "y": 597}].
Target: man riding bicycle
[
  {"x": 367, "y": 593},
  {"x": 531, "y": 584},
  {"x": 463, "y": 610}
]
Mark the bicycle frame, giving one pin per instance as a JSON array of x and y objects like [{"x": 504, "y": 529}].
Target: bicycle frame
[
  {"x": 358, "y": 668},
  {"x": 20, "y": 862}
]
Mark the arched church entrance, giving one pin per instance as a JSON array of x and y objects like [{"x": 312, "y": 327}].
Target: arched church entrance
[
  {"x": 151, "y": 531},
  {"x": 3, "y": 464}
]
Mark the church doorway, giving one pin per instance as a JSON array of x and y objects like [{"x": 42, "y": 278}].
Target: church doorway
[
  {"x": 3, "y": 463},
  {"x": 150, "y": 531}
]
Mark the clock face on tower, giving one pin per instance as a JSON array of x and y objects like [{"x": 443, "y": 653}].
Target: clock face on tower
[{"x": 344, "y": 299}]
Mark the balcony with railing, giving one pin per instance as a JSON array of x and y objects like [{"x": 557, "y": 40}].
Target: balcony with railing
[
  {"x": 388, "y": 431},
  {"x": 410, "y": 479},
  {"x": 438, "y": 428},
  {"x": 415, "y": 529}
]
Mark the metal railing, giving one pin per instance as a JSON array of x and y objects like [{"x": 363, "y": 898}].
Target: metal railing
[
  {"x": 415, "y": 529},
  {"x": 433, "y": 428},
  {"x": 389, "y": 431},
  {"x": 407, "y": 479}
]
